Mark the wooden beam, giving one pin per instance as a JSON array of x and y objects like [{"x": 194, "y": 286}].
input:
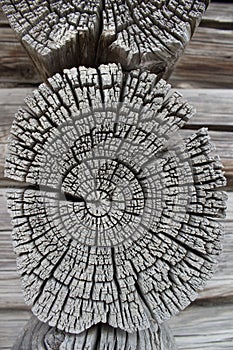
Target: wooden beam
[
  {"x": 214, "y": 110},
  {"x": 198, "y": 327},
  {"x": 11, "y": 296}
]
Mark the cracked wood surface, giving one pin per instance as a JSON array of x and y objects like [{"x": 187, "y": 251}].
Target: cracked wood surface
[
  {"x": 207, "y": 324},
  {"x": 37, "y": 335},
  {"x": 207, "y": 61},
  {"x": 208, "y": 320},
  {"x": 214, "y": 111},
  {"x": 146, "y": 34},
  {"x": 98, "y": 148},
  {"x": 131, "y": 92}
]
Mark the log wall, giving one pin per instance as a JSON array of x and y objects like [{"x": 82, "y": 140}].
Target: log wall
[{"x": 205, "y": 74}]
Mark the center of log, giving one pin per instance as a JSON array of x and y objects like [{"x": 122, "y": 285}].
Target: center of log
[
  {"x": 98, "y": 203},
  {"x": 107, "y": 201}
]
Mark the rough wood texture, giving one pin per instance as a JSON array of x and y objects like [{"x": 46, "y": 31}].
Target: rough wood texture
[
  {"x": 207, "y": 324},
  {"x": 220, "y": 287},
  {"x": 39, "y": 336},
  {"x": 93, "y": 145},
  {"x": 214, "y": 111},
  {"x": 206, "y": 327},
  {"x": 207, "y": 61},
  {"x": 145, "y": 34}
]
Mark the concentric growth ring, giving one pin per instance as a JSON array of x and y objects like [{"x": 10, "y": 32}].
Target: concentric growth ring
[
  {"x": 118, "y": 224},
  {"x": 108, "y": 202}
]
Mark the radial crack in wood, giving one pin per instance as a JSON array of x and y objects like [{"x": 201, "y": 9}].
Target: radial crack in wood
[
  {"x": 119, "y": 223},
  {"x": 138, "y": 34},
  {"x": 39, "y": 336}
]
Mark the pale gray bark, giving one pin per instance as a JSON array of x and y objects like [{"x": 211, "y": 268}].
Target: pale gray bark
[
  {"x": 117, "y": 259},
  {"x": 145, "y": 34}
]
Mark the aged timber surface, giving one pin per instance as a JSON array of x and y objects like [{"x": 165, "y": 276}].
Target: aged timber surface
[
  {"x": 214, "y": 111},
  {"x": 207, "y": 324},
  {"x": 208, "y": 63}
]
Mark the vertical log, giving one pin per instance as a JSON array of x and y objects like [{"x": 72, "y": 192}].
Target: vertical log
[{"x": 138, "y": 34}]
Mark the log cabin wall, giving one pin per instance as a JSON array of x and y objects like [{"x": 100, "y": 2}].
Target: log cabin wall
[{"x": 205, "y": 75}]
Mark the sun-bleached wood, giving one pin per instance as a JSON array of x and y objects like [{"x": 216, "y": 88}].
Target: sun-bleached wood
[
  {"x": 39, "y": 336},
  {"x": 214, "y": 112},
  {"x": 96, "y": 240},
  {"x": 210, "y": 50},
  {"x": 138, "y": 34},
  {"x": 208, "y": 321}
]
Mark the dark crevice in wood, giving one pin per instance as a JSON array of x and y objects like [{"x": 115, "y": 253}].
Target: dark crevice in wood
[
  {"x": 35, "y": 300},
  {"x": 228, "y": 128}
]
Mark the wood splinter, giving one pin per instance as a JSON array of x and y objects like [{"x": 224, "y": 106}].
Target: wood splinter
[
  {"x": 148, "y": 34},
  {"x": 118, "y": 224}
]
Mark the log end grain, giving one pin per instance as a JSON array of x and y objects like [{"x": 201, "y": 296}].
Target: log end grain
[
  {"x": 40, "y": 336},
  {"x": 138, "y": 34},
  {"x": 119, "y": 223}
]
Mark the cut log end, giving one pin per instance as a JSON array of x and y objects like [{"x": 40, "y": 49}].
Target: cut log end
[
  {"x": 119, "y": 223},
  {"x": 138, "y": 34},
  {"x": 39, "y": 336}
]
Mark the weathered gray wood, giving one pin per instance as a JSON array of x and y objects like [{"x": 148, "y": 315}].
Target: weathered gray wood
[
  {"x": 207, "y": 61},
  {"x": 39, "y": 336},
  {"x": 213, "y": 107},
  {"x": 127, "y": 143},
  {"x": 206, "y": 327},
  {"x": 214, "y": 110},
  {"x": 220, "y": 287},
  {"x": 15, "y": 66},
  {"x": 3, "y": 19},
  {"x": 11, "y": 323},
  {"x": 210, "y": 50},
  {"x": 148, "y": 35},
  {"x": 219, "y": 15}
]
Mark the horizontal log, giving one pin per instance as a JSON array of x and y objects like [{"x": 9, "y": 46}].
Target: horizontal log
[
  {"x": 207, "y": 61},
  {"x": 195, "y": 241},
  {"x": 12, "y": 323},
  {"x": 14, "y": 62},
  {"x": 199, "y": 328},
  {"x": 219, "y": 15},
  {"x": 213, "y": 106}
]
